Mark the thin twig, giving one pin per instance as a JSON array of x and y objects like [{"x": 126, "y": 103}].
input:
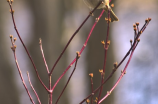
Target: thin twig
[
  {"x": 33, "y": 88},
  {"x": 77, "y": 57},
  {"x": 50, "y": 93},
  {"x": 105, "y": 53},
  {"x": 73, "y": 37},
  {"x": 124, "y": 71},
  {"x": 40, "y": 43},
  {"x": 133, "y": 45},
  {"x": 91, "y": 76},
  {"x": 83, "y": 47},
  {"x": 122, "y": 74},
  {"x": 12, "y": 14},
  {"x": 19, "y": 70}
]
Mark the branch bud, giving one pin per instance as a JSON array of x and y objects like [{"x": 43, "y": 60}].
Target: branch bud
[
  {"x": 135, "y": 28},
  {"x": 102, "y": 42},
  {"x": 115, "y": 64},
  {"x": 11, "y": 36},
  {"x": 149, "y": 19},
  {"x": 78, "y": 54},
  {"x": 87, "y": 101},
  {"x": 137, "y": 23},
  {"x": 108, "y": 92},
  {"x": 91, "y": 75},
  {"x": 138, "y": 40},
  {"x": 101, "y": 71},
  {"x": 15, "y": 39},
  {"x": 108, "y": 42},
  {"x": 97, "y": 19},
  {"x": 131, "y": 41},
  {"x": 11, "y": 11},
  {"x": 134, "y": 25},
  {"x": 112, "y": 5}
]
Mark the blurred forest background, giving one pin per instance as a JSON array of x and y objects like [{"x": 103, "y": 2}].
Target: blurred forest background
[{"x": 55, "y": 21}]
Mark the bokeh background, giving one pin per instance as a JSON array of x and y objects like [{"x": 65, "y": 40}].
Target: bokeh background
[{"x": 55, "y": 21}]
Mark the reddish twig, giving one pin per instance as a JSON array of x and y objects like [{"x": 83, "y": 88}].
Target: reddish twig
[
  {"x": 132, "y": 47},
  {"x": 50, "y": 91},
  {"x": 77, "y": 57},
  {"x": 40, "y": 43},
  {"x": 91, "y": 76},
  {"x": 122, "y": 74},
  {"x": 80, "y": 50},
  {"x": 19, "y": 70},
  {"x": 12, "y": 14},
  {"x": 105, "y": 53},
  {"x": 73, "y": 37},
  {"x": 33, "y": 88}
]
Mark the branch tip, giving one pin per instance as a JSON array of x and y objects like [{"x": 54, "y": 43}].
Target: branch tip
[
  {"x": 91, "y": 75},
  {"x": 149, "y": 19},
  {"x": 15, "y": 39},
  {"x": 11, "y": 1},
  {"x": 137, "y": 23},
  {"x": 131, "y": 41},
  {"x": 115, "y": 65},
  {"x": 112, "y": 5},
  {"x": 146, "y": 20},
  {"x": 40, "y": 41},
  {"x": 134, "y": 25},
  {"x": 11, "y": 36}
]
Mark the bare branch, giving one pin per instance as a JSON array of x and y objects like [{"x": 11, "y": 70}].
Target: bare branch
[{"x": 33, "y": 88}]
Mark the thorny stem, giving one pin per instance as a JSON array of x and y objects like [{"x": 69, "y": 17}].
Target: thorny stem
[
  {"x": 105, "y": 53},
  {"x": 33, "y": 88},
  {"x": 83, "y": 47},
  {"x": 12, "y": 14},
  {"x": 73, "y": 37},
  {"x": 77, "y": 57}
]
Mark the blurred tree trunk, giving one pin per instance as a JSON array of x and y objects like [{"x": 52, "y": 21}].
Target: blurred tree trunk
[
  {"x": 48, "y": 17},
  {"x": 95, "y": 57},
  {"x": 8, "y": 91}
]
